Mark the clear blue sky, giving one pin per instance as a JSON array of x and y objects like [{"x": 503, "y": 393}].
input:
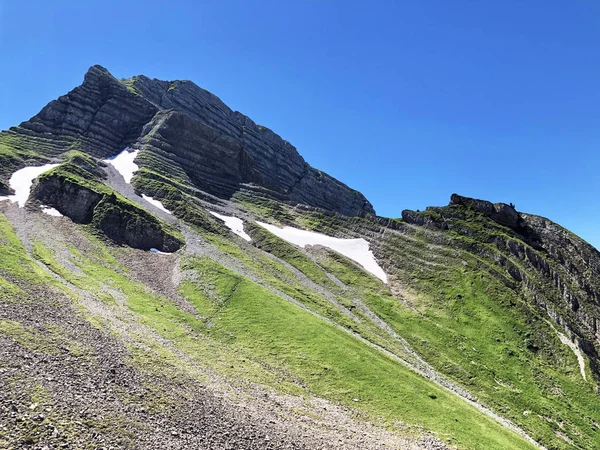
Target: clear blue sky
[{"x": 406, "y": 101}]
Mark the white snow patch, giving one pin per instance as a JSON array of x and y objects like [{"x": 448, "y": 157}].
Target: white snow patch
[
  {"x": 155, "y": 250},
  {"x": 234, "y": 224},
  {"x": 355, "y": 249},
  {"x": 51, "y": 211},
  {"x": 22, "y": 180},
  {"x": 565, "y": 340},
  {"x": 124, "y": 164},
  {"x": 156, "y": 203}
]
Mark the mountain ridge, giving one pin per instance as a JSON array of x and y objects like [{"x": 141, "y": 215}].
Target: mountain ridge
[{"x": 480, "y": 333}]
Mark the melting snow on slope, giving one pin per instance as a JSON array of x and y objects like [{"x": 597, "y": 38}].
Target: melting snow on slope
[
  {"x": 234, "y": 224},
  {"x": 156, "y": 203},
  {"x": 355, "y": 249},
  {"x": 124, "y": 164},
  {"x": 155, "y": 250},
  {"x": 22, "y": 180},
  {"x": 51, "y": 211},
  {"x": 565, "y": 340}
]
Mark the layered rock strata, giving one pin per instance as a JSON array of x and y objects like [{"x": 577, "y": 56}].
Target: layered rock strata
[{"x": 181, "y": 127}]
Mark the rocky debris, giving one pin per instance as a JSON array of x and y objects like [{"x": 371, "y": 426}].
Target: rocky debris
[{"x": 85, "y": 388}]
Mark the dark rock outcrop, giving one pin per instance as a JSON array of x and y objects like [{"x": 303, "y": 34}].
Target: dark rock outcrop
[
  {"x": 501, "y": 213},
  {"x": 69, "y": 198},
  {"x": 120, "y": 220},
  {"x": 180, "y": 127},
  {"x": 5, "y": 189}
]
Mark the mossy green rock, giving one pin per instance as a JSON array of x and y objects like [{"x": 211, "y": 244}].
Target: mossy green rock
[{"x": 125, "y": 223}]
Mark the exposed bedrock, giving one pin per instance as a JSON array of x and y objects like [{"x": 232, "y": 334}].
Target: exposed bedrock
[
  {"x": 260, "y": 156},
  {"x": 5, "y": 189},
  {"x": 221, "y": 164},
  {"x": 69, "y": 198},
  {"x": 560, "y": 271},
  {"x": 101, "y": 115},
  {"x": 500, "y": 212},
  {"x": 120, "y": 220},
  {"x": 127, "y": 224},
  {"x": 221, "y": 150}
]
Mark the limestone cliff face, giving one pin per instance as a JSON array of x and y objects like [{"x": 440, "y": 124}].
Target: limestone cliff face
[
  {"x": 68, "y": 197},
  {"x": 102, "y": 115},
  {"x": 180, "y": 126},
  {"x": 227, "y": 149}
]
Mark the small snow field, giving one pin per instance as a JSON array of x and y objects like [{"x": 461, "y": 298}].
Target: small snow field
[
  {"x": 355, "y": 249},
  {"x": 124, "y": 164},
  {"x": 566, "y": 341},
  {"x": 156, "y": 203},
  {"x": 234, "y": 224},
  {"x": 155, "y": 250},
  {"x": 51, "y": 211},
  {"x": 22, "y": 180}
]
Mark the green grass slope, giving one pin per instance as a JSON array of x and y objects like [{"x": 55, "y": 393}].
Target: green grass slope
[
  {"x": 459, "y": 308},
  {"x": 251, "y": 335}
]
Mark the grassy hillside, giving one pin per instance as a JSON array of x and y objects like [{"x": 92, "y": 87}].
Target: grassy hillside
[
  {"x": 243, "y": 331},
  {"x": 460, "y": 311}
]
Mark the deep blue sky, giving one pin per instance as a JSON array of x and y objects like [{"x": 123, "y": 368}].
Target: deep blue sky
[{"x": 406, "y": 101}]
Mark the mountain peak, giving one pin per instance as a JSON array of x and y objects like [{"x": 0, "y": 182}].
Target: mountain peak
[{"x": 220, "y": 150}]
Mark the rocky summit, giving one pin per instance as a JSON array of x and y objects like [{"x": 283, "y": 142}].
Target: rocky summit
[
  {"x": 175, "y": 276},
  {"x": 183, "y": 129}
]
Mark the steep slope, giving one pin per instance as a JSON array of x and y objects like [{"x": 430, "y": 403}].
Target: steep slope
[{"x": 479, "y": 330}]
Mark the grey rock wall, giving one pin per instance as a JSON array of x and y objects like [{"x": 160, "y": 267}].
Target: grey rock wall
[{"x": 186, "y": 128}]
